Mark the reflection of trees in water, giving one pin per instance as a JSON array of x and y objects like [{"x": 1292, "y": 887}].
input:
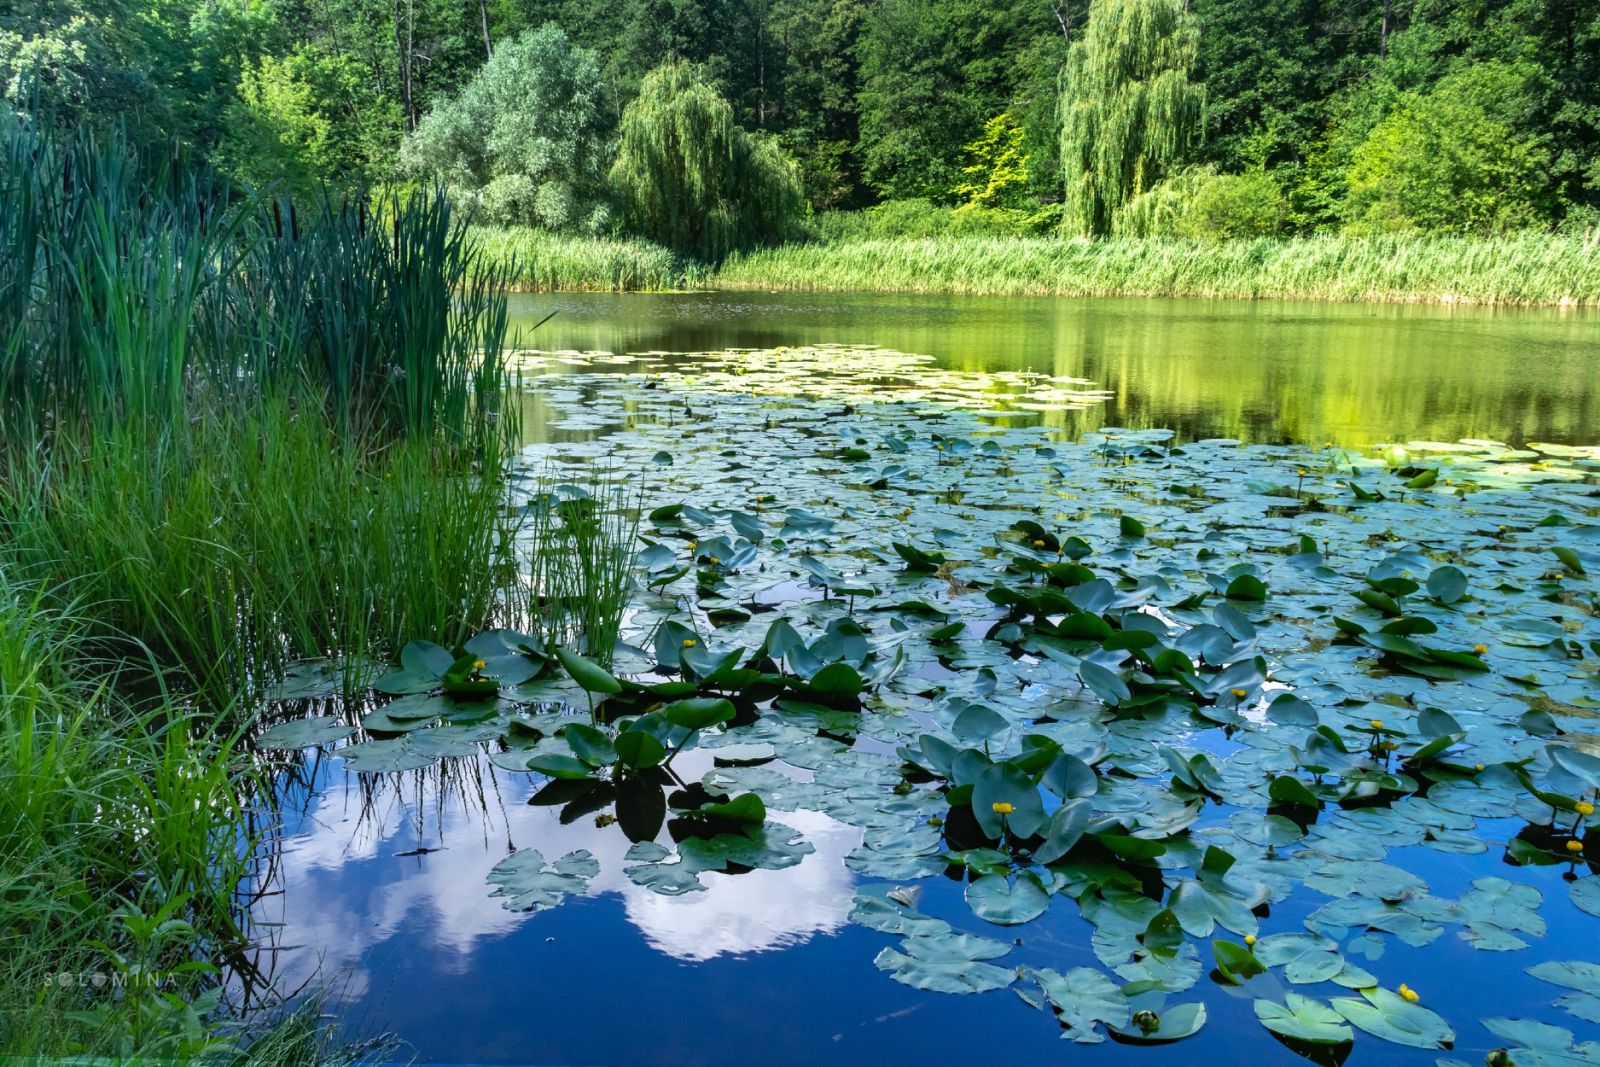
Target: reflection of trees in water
[{"x": 1268, "y": 371}]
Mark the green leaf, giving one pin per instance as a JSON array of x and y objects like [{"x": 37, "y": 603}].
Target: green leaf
[
  {"x": 1301, "y": 1018},
  {"x": 996, "y": 899},
  {"x": 1386, "y": 1014},
  {"x": 564, "y": 767},
  {"x": 639, "y": 749},
  {"x": 1175, "y": 1024},
  {"x": 304, "y": 733},
  {"x": 1447, "y": 584},
  {"x": 1236, "y": 962},
  {"x": 1246, "y": 587},
  {"x": 1083, "y": 998},
  {"x": 523, "y": 881},
  {"x": 697, "y": 713},
  {"x": 587, "y": 673},
  {"x": 589, "y": 745}
]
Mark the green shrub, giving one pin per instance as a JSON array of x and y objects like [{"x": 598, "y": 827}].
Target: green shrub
[
  {"x": 1458, "y": 159},
  {"x": 1231, "y": 206}
]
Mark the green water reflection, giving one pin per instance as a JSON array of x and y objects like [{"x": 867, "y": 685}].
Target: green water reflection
[{"x": 1260, "y": 371}]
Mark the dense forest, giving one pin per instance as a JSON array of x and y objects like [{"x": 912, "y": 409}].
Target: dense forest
[{"x": 1220, "y": 117}]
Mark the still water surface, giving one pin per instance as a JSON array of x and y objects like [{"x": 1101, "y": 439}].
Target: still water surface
[
  {"x": 380, "y": 884},
  {"x": 1262, "y": 371}
]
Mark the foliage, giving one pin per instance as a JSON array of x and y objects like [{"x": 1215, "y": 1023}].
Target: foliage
[
  {"x": 1201, "y": 204},
  {"x": 191, "y": 398},
  {"x": 1129, "y": 111},
  {"x": 526, "y": 139},
  {"x": 691, "y": 178},
  {"x": 1459, "y": 159},
  {"x": 997, "y": 171}
]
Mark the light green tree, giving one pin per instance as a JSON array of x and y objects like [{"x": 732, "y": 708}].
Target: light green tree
[
  {"x": 1460, "y": 158},
  {"x": 273, "y": 133},
  {"x": 527, "y": 139},
  {"x": 690, "y": 177},
  {"x": 997, "y": 166},
  {"x": 1129, "y": 111}
]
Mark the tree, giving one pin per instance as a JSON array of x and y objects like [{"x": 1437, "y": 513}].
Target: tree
[
  {"x": 1129, "y": 110},
  {"x": 526, "y": 139},
  {"x": 691, "y": 178},
  {"x": 997, "y": 167},
  {"x": 1457, "y": 159}
]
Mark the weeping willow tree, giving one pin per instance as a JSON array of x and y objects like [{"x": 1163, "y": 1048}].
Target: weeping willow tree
[
  {"x": 691, "y": 178},
  {"x": 1128, "y": 109}
]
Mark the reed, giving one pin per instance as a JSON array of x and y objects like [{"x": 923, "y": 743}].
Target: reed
[
  {"x": 1522, "y": 269},
  {"x": 548, "y": 262}
]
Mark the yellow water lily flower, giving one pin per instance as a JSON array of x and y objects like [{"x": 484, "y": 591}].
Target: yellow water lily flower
[
  {"x": 689, "y": 642},
  {"x": 1238, "y": 694},
  {"x": 1480, "y": 649},
  {"x": 1377, "y": 724},
  {"x": 1409, "y": 993},
  {"x": 715, "y": 560},
  {"x": 1574, "y": 845},
  {"x": 478, "y": 664},
  {"x": 1250, "y": 940},
  {"x": 1478, "y": 767},
  {"x": 1583, "y": 807},
  {"x": 1002, "y": 808},
  {"x": 1038, "y": 544}
]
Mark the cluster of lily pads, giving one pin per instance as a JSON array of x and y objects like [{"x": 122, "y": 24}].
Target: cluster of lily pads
[{"x": 1168, "y": 686}]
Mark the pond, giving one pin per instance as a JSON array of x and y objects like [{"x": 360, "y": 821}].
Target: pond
[
  {"x": 1001, "y": 718},
  {"x": 1261, "y": 371}
]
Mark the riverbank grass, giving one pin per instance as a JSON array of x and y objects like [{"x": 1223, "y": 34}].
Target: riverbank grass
[{"x": 1530, "y": 269}]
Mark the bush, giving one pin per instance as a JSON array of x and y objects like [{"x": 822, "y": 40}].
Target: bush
[
  {"x": 526, "y": 141},
  {"x": 1203, "y": 205},
  {"x": 1233, "y": 205},
  {"x": 1457, "y": 159}
]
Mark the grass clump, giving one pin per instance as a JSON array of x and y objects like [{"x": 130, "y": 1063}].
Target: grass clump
[
  {"x": 543, "y": 261},
  {"x": 247, "y": 433}
]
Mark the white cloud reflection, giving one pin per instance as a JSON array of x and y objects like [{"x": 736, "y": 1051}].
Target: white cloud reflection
[{"x": 345, "y": 893}]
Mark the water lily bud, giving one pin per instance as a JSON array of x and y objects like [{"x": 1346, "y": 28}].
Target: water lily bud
[
  {"x": 1249, "y": 940},
  {"x": 1574, "y": 845}
]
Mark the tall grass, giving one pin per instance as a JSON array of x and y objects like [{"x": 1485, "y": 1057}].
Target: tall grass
[
  {"x": 582, "y": 553},
  {"x": 108, "y": 815},
  {"x": 1519, "y": 269},
  {"x": 235, "y": 544},
  {"x": 243, "y": 433},
  {"x": 547, "y": 262}
]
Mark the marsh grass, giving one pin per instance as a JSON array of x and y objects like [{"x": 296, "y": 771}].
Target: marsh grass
[
  {"x": 1532, "y": 268},
  {"x": 111, "y": 814},
  {"x": 240, "y": 542},
  {"x": 242, "y": 434},
  {"x": 850, "y": 255},
  {"x": 581, "y": 555},
  {"x": 550, "y": 262}
]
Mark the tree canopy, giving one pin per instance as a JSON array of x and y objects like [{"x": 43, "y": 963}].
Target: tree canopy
[{"x": 691, "y": 178}]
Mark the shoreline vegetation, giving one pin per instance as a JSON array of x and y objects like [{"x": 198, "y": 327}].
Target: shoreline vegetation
[{"x": 1521, "y": 270}]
